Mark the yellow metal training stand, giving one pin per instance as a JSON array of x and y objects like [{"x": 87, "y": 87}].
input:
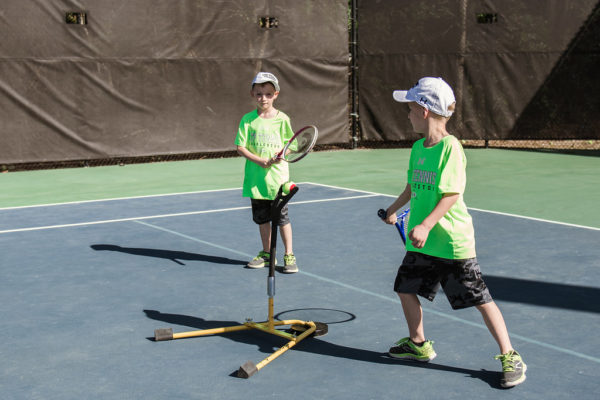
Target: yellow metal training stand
[{"x": 301, "y": 329}]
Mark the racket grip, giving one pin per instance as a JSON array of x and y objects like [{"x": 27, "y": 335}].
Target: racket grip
[{"x": 382, "y": 213}]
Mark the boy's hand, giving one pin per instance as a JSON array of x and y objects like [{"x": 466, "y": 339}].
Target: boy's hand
[
  {"x": 418, "y": 236},
  {"x": 267, "y": 162},
  {"x": 391, "y": 219}
]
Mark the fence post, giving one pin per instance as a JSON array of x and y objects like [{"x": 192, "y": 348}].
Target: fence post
[{"x": 354, "y": 74}]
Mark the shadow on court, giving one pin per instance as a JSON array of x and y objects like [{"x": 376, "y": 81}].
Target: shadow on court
[
  {"x": 172, "y": 255},
  {"x": 317, "y": 346},
  {"x": 555, "y": 295}
]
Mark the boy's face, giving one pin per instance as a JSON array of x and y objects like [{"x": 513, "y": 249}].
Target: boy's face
[
  {"x": 264, "y": 94},
  {"x": 417, "y": 117}
]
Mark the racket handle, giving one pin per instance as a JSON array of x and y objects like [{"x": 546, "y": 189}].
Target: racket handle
[{"x": 382, "y": 213}]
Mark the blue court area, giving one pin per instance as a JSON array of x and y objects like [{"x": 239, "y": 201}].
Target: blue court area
[{"x": 84, "y": 286}]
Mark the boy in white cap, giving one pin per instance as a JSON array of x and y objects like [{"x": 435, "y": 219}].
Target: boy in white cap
[
  {"x": 441, "y": 241},
  {"x": 261, "y": 134}
]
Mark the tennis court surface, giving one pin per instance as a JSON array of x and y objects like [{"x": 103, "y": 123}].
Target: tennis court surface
[{"x": 84, "y": 285}]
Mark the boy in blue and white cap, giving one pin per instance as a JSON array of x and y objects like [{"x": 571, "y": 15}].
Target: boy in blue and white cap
[{"x": 441, "y": 241}]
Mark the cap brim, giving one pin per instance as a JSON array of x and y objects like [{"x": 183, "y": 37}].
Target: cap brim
[
  {"x": 261, "y": 81},
  {"x": 400, "y": 96}
]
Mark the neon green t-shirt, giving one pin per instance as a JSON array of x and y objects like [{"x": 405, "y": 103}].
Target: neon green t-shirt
[
  {"x": 264, "y": 137},
  {"x": 433, "y": 172}
]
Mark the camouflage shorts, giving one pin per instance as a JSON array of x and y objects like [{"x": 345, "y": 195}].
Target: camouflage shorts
[
  {"x": 461, "y": 279},
  {"x": 261, "y": 212}
]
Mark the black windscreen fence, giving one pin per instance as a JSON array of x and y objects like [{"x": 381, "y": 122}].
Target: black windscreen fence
[
  {"x": 521, "y": 70},
  {"x": 91, "y": 80}
]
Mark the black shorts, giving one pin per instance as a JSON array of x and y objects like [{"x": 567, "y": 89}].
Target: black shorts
[
  {"x": 461, "y": 279},
  {"x": 261, "y": 212}
]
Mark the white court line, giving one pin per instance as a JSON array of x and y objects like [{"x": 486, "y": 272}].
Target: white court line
[
  {"x": 154, "y": 195},
  {"x": 164, "y": 195},
  {"x": 535, "y": 219},
  {"x": 366, "y": 194},
  {"x": 391, "y": 299},
  {"x": 349, "y": 189},
  {"x": 110, "y": 221},
  {"x": 194, "y": 239},
  {"x": 116, "y": 198},
  {"x": 472, "y": 208},
  {"x": 169, "y": 194}
]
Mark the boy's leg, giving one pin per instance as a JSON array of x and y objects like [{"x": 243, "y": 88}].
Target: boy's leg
[
  {"x": 286, "y": 236},
  {"x": 415, "y": 275},
  {"x": 406, "y": 348},
  {"x": 263, "y": 258},
  {"x": 513, "y": 367},
  {"x": 414, "y": 316},
  {"x": 289, "y": 260},
  {"x": 261, "y": 215},
  {"x": 496, "y": 325},
  {"x": 464, "y": 287},
  {"x": 265, "y": 236}
]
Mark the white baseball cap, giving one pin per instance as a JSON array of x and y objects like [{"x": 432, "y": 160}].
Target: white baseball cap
[
  {"x": 264, "y": 77},
  {"x": 431, "y": 93}
]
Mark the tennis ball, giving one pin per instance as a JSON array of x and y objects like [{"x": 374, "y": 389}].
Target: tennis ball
[{"x": 287, "y": 187}]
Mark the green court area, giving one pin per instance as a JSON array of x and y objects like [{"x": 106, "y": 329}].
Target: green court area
[{"x": 553, "y": 186}]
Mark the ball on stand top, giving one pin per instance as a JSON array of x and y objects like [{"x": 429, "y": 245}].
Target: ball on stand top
[{"x": 287, "y": 187}]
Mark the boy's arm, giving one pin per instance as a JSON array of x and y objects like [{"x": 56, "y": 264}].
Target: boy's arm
[
  {"x": 418, "y": 235},
  {"x": 263, "y": 162},
  {"x": 397, "y": 204}
]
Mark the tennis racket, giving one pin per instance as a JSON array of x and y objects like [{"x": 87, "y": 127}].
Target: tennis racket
[
  {"x": 299, "y": 145},
  {"x": 401, "y": 222}
]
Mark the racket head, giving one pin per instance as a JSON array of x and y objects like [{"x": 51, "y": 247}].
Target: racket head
[
  {"x": 300, "y": 144},
  {"x": 401, "y": 222}
]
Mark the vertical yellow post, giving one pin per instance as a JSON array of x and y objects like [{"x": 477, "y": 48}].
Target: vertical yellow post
[{"x": 271, "y": 321}]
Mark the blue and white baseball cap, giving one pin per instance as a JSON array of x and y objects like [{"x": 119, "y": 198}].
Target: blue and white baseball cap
[
  {"x": 264, "y": 77},
  {"x": 432, "y": 93}
]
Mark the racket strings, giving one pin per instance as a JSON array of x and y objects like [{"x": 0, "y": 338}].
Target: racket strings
[
  {"x": 300, "y": 145},
  {"x": 403, "y": 219}
]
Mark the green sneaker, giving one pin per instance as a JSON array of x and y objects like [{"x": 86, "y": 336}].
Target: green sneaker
[
  {"x": 405, "y": 349},
  {"x": 289, "y": 264},
  {"x": 263, "y": 259},
  {"x": 513, "y": 369}
]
